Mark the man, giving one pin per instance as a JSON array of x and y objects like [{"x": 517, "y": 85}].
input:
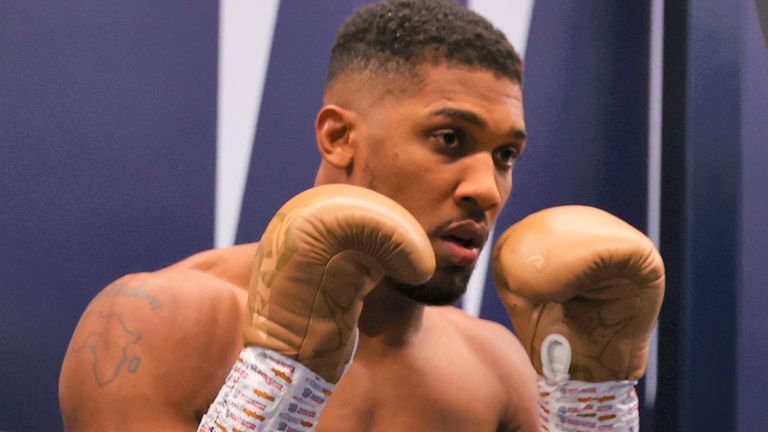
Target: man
[{"x": 423, "y": 105}]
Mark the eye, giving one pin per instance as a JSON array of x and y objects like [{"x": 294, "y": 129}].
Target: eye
[
  {"x": 449, "y": 138},
  {"x": 506, "y": 156}
]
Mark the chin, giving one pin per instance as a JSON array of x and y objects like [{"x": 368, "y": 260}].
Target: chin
[{"x": 445, "y": 288}]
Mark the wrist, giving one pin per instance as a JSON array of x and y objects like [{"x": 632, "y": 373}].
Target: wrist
[
  {"x": 267, "y": 391},
  {"x": 580, "y": 405},
  {"x": 574, "y": 405}
]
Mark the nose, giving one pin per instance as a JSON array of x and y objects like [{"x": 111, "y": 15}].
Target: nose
[{"x": 479, "y": 185}]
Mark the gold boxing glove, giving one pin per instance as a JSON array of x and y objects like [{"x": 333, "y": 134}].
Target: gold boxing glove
[
  {"x": 321, "y": 254},
  {"x": 589, "y": 276}
]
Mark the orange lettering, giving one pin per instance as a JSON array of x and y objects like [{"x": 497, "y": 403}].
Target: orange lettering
[
  {"x": 253, "y": 414},
  {"x": 282, "y": 375},
  {"x": 264, "y": 395}
]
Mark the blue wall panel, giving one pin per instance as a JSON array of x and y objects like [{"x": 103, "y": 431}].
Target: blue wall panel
[
  {"x": 107, "y": 133},
  {"x": 712, "y": 164},
  {"x": 752, "y": 350},
  {"x": 714, "y": 229}
]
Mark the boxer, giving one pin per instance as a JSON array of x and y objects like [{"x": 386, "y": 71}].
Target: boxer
[{"x": 338, "y": 320}]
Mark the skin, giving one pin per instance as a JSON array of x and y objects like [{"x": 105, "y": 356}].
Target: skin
[{"x": 152, "y": 350}]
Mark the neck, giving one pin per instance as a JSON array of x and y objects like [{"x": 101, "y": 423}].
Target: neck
[{"x": 389, "y": 320}]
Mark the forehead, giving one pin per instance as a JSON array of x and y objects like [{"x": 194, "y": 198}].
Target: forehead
[
  {"x": 495, "y": 101},
  {"x": 457, "y": 82},
  {"x": 385, "y": 99}
]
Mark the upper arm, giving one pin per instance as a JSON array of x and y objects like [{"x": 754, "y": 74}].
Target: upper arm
[
  {"x": 149, "y": 353},
  {"x": 503, "y": 353},
  {"x": 519, "y": 379}
]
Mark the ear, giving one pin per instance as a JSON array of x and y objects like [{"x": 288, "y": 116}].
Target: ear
[{"x": 333, "y": 132}]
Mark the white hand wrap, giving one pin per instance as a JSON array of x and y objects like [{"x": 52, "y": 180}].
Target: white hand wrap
[
  {"x": 582, "y": 406},
  {"x": 266, "y": 391},
  {"x": 571, "y": 406}
]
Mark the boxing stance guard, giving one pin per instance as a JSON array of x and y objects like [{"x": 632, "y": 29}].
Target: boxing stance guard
[
  {"x": 319, "y": 256},
  {"x": 582, "y": 287}
]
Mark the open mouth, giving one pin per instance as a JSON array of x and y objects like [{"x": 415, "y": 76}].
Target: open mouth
[
  {"x": 463, "y": 242},
  {"x": 468, "y": 234}
]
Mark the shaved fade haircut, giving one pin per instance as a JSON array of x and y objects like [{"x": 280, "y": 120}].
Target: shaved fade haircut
[{"x": 399, "y": 36}]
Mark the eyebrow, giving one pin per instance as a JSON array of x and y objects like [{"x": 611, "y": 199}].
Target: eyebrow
[{"x": 473, "y": 119}]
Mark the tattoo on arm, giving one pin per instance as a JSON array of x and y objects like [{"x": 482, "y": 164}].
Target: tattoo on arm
[
  {"x": 133, "y": 291},
  {"x": 112, "y": 351},
  {"x": 106, "y": 369}
]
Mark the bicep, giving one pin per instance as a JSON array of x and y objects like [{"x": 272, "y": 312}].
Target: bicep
[
  {"x": 523, "y": 409},
  {"x": 105, "y": 381},
  {"x": 130, "y": 364},
  {"x": 520, "y": 382}
]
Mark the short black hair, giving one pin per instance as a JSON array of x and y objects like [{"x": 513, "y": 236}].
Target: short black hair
[{"x": 390, "y": 35}]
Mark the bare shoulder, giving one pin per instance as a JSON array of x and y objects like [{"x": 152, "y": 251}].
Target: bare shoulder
[
  {"x": 501, "y": 351},
  {"x": 497, "y": 343},
  {"x": 151, "y": 350}
]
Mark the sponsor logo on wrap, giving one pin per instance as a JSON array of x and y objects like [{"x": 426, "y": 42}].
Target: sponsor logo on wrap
[
  {"x": 253, "y": 414},
  {"x": 296, "y": 409},
  {"x": 316, "y": 386},
  {"x": 246, "y": 424},
  {"x": 255, "y": 404},
  {"x": 295, "y": 420},
  {"x": 282, "y": 375},
  {"x": 263, "y": 395},
  {"x": 284, "y": 427},
  {"x": 281, "y": 363},
  {"x": 271, "y": 382},
  {"x": 309, "y": 394},
  {"x": 577, "y": 422}
]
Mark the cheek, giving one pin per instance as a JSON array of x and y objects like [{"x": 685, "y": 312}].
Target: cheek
[
  {"x": 504, "y": 185},
  {"x": 505, "y": 188},
  {"x": 405, "y": 169},
  {"x": 418, "y": 188}
]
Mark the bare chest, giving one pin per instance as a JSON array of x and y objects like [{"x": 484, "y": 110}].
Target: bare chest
[{"x": 435, "y": 393}]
